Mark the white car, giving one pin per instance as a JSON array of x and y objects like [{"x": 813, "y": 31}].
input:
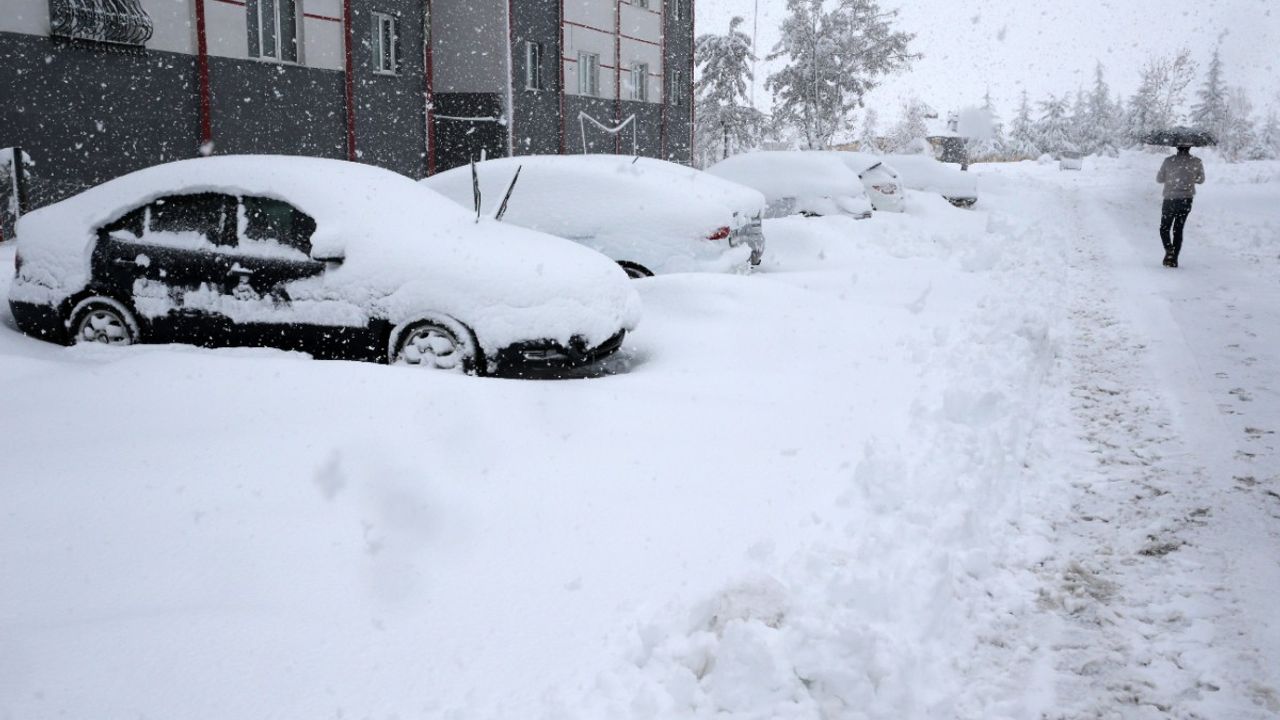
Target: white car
[
  {"x": 925, "y": 174},
  {"x": 881, "y": 181},
  {"x": 650, "y": 216},
  {"x": 796, "y": 182},
  {"x": 335, "y": 258}
]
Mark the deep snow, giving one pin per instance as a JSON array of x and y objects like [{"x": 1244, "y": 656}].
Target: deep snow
[{"x": 994, "y": 463}]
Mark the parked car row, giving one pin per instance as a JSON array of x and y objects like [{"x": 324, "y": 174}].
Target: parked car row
[{"x": 508, "y": 267}]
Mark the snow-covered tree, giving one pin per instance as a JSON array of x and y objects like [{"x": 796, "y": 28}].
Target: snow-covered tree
[
  {"x": 1269, "y": 137},
  {"x": 1053, "y": 129},
  {"x": 869, "y": 140},
  {"x": 1161, "y": 94},
  {"x": 1096, "y": 129},
  {"x": 911, "y": 128},
  {"x": 1022, "y": 136},
  {"x": 727, "y": 123},
  {"x": 991, "y": 145},
  {"x": 1210, "y": 111},
  {"x": 1239, "y": 134},
  {"x": 834, "y": 58}
]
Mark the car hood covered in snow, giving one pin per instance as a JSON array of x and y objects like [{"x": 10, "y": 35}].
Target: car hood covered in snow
[
  {"x": 649, "y": 211},
  {"x": 796, "y": 181},
  {"x": 405, "y": 250}
]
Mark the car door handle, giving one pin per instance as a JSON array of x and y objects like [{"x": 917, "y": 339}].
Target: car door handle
[{"x": 237, "y": 270}]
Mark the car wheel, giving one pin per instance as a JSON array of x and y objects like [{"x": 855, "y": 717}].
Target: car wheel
[
  {"x": 635, "y": 271},
  {"x": 436, "y": 345},
  {"x": 103, "y": 321}
]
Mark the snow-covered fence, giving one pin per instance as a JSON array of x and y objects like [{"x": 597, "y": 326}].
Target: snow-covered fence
[{"x": 14, "y": 170}]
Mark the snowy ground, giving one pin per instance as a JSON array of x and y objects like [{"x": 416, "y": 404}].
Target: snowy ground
[{"x": 976, "y": 464}]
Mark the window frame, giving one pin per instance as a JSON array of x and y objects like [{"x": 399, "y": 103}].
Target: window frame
[
  {"x": 588, "y": 61},
  {"x": 534, "y": 56},
  {"x": 676, "y": 89},
  {"x": 380, "y": 21},
  {"x": 257, "y": 35},
  {"x": 640, "y": 81}
]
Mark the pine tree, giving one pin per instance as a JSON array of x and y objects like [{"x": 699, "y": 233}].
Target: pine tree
[
  {"x": 1053, "y": 130},
  {"x": 869, "y": 140},
  {"x": 1022, "y": 136},
  {"x": 1269, "y": 137},
  {"x": 833, "y": 59},
  {"x": 726, "y": 121},
  {"x": 1097, "y": 129},
  {"x": 1211, "y": 112},
  {"x": 1239, "y": 136},
  {"x": 991, "y": 147}
]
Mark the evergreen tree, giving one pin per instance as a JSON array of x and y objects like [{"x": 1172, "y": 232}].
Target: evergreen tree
[
  {"x": 727, "y": 123},
  {"x": 991, "y": 147},
  {"x": 1053, "y": 130},
  {"x": 869, "y": 141},
  {"x": 1269, "y": 137},
  {"x": 1022, "y": 136},
  {"x": 1239, "y": 136},
  {"x": 834, "y": 58},
  {"x": 1211, "y": 112},
  {"x": 1098, "y": 135}
]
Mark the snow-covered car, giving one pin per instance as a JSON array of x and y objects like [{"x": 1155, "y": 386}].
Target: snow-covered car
[
  {"x": 925, "y": 174},
  {"x": 334, "y": 258},
  {"x": 650, "y": 216},
  {"x": 881, "y": 181},
  {"x": 796, "y": 182},
  {"x": 1071, "y": 161}
]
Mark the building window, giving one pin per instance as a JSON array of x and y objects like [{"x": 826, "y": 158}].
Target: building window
[
  {"x": 588, "y": 74},
  {"x": 122, "y": 22},
  {"x": 641, "y": 3},
  {"x": 533, "y": 65},
  {"x": 640, "y": 82},
  {"x": 386, "y": 44},
  {"x": 677, "y": 88},
  {"x": 273, "y": 29}
]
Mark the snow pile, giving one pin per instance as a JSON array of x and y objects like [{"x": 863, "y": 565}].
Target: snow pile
[
  {"x": 406, "y": 251},
  {"x": 796, "y": 181},
  {"x": 641, "y": 210}
]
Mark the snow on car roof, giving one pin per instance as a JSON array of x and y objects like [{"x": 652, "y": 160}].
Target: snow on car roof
[
  {"x": 791, "y": 173},
  {"x": 921, "y": 172},
  {"x": 641, "y": 209}
]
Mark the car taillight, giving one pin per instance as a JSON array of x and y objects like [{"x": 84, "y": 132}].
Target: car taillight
[
  {"x": 886, "y": 188},
  {"x": 720, "y": 234}
]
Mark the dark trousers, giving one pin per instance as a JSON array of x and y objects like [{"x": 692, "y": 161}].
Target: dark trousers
[{"x": 1173, "y": 216}]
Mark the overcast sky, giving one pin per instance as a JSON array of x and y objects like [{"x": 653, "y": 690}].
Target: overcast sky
[{"x": 1046, "y": 45}]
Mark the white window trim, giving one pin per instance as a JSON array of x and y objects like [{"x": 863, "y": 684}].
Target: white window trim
[
  {"x": 533, "y": 66},
  {"x": 640, "y": 81},
  {"x": 297, "y": 36},
  {"x": 379, "y": 21},
  {"x": 589, "y": 61}
]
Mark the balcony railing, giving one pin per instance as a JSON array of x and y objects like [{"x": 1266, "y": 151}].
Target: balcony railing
[{"x": 120, "y": 22}]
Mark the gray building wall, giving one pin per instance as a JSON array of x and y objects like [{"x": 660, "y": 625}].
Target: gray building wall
[
  {"x": 86, "y": 116},
  {"x": 536, "y": 113},
  {"x": 391, "y": 124},
  {"x": 679, "y": 57}
]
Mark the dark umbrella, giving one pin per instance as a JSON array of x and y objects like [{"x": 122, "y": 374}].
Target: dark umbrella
[{"x": 1180, "y": 136}]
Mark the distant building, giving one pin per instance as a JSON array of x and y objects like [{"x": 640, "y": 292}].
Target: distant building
[{"x": 96, "y": 88}]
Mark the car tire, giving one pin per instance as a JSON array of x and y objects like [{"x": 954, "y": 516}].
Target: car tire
[
  {"x": 104, "y": 321},
  {"x": 634, "y": 270},
  {"x": 437, "y": 343}
]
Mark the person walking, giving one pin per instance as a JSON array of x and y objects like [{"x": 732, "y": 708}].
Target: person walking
[{"x": 1180, "y": 174}]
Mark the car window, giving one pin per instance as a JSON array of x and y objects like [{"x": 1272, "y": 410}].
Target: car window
[
  {"x": 269, "y": 226},
  {"x": 129, "y": 226},
  {"x": 195, "y": 220}
]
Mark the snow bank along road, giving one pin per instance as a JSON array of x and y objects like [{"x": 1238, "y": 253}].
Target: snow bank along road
[{"x": 972, "y": 464}]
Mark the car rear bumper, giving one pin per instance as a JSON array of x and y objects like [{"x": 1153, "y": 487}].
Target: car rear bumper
[
  {"x": 41, "y": 321},
  {"x": 548, "y": 355}
]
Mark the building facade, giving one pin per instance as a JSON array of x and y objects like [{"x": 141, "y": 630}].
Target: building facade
[{"x": 93, "y": 89}]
